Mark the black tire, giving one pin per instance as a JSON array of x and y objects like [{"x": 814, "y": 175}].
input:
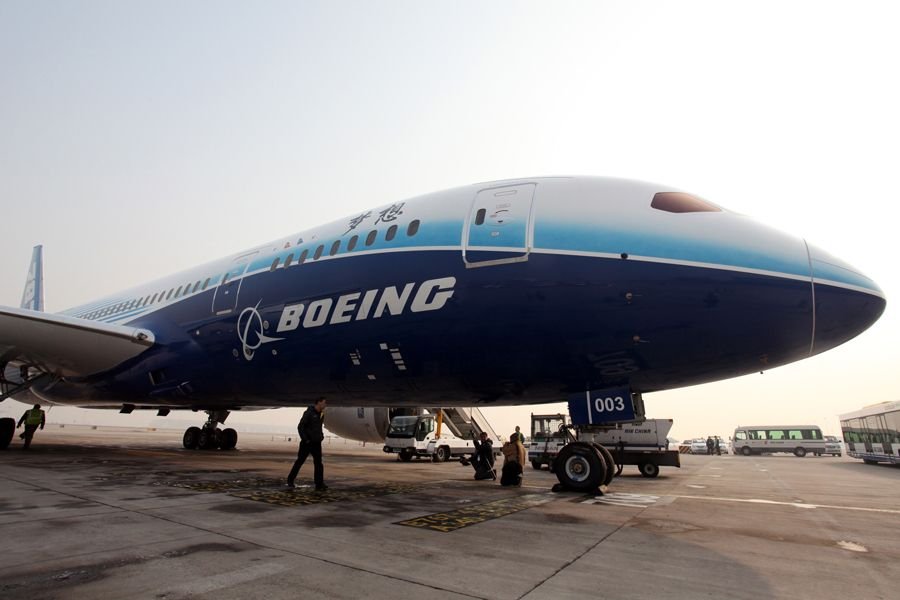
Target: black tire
[
  {"x": 869, "y": 461},
  {"x": 442, "y": 454},
  {"x": 609, "y": 461},
  {"x": 228, "y": 439},
  {"x": 406, "y": 455},
  {"x": 209, "y": 439},
  {"x": 580, "y": 467},
  {"x": 649, "y": 469},
  {"x": 799, "y": 452},
  {"x": 536, "y": 465},
  {"x": 7, "y": 430},
  {"x": 746, "y": 451},
  {"x": 191, "y": 439}
]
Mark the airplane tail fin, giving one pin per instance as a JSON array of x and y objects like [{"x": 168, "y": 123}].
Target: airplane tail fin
[{"x": 33, "y": 297}]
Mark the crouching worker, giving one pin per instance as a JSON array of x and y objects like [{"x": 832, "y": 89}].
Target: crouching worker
[
  {"x": 513, "y": 460},
  {"x": 483, "y": 458}
]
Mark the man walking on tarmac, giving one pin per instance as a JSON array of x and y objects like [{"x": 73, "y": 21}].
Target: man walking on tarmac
[
  {"x": 33, "y": 419},
  {"x": 311, "y": 436}
]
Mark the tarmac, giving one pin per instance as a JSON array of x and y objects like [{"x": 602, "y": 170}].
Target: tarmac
[{"x": 116, "y": 513}]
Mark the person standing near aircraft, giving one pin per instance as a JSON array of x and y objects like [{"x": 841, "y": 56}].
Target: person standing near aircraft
[
  {"x": 520, "y": 435},
  {"x": 311, "y": 436},
  {"x": 33, "y": 419},
  {"x": 513, "y": 461}
]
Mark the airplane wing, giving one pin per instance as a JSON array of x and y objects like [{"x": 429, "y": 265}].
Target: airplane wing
[{"x": 67, "y": 346}]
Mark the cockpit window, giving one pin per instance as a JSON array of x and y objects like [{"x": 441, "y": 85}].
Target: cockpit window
[{"x": 679, "y": 202}]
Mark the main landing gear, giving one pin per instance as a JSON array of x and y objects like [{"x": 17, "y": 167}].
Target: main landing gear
[
  {"x": 210, "y": 437},
  {"x": 584, "y": 467}
]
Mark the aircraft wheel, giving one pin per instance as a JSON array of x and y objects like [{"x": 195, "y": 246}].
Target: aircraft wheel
[
  {"x": 580, "y": 467},
  {"x": 649, "y": 469},
  {"x": 7, "y": 429},
  {"x": 191, "y": 439},
  {"x": 799, "y": 452},
  {"x": 610, "y": 463},
  {"x": 406, "y": 455},
  {"x": 209, "y": 439},
  {"x": 228, "y": 439},
  {"x": 536, "y": 465}
]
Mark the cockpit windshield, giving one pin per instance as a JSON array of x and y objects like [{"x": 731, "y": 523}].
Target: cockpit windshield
[{"x": 680, "y": 202}]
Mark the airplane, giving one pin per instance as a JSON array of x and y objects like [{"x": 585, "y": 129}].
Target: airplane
[{"x": 523, "y": 291}]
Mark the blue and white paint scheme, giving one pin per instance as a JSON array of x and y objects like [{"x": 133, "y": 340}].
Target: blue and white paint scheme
[{"x": 502, "y": 293}]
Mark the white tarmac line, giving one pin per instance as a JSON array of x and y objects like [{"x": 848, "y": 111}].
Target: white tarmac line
[{"x": 794, "y": 504}]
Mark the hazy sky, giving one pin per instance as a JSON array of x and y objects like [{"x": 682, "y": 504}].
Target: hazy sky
[{"x": 138, "y": 139}]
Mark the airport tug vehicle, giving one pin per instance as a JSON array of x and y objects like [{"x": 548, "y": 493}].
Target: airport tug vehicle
[
  {"x": 607, "y": 430},
  {"x": 642, "y": 443}
]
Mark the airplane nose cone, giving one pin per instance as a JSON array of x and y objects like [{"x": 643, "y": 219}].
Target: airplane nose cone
[{"x": 846, "y": 301}]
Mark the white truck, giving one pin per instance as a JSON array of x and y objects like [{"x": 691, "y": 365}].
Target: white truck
[
  {"x": 644, "y": 444},
  {"x": 410, "y": 436}
]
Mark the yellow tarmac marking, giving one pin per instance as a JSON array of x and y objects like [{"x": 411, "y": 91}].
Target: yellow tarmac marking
[
  {"x": 307, "y": 496},
  {"x": 226, "y": 485},
  {"x": 272, "y": 491},
  {"x": 446, "y": 522}
]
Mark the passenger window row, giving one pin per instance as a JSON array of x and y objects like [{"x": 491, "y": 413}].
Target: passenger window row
[
  {"x": 199, "y": 286},
  {"x": 389, "y": 235},
  {"x": 170, "y": 294}
]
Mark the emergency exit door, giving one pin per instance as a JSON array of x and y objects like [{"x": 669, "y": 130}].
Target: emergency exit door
[{"x": 499, "y": 229}]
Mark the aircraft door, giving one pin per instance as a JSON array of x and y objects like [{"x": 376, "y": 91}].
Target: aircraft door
[
  {"x": 227, "y": 292},
  {"x": 424, "y": 427},
  {"x": 499, "y": 227}
]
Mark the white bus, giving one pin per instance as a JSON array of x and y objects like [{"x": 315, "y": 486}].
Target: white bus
[
  {"x": 763, "y": 439},
  {"x": 873, "y": 433}
]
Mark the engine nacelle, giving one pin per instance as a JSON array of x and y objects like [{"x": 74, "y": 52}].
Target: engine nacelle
[{"x": 363, "y": 424}]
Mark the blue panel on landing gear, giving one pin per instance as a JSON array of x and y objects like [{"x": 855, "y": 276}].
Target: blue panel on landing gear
[{"x": 600, "y": 407}]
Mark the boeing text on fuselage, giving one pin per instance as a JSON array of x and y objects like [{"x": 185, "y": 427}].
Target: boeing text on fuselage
[{"x": 359, "y": 306}]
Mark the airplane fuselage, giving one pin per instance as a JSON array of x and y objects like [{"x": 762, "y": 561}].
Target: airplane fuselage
[{"x": 512, "y": 292}]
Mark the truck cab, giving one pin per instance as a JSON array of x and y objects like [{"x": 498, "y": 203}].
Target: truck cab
[{"x": 547, "y": 438}]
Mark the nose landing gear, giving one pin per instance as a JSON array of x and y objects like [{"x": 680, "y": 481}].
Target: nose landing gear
[{"x": 210, "y": 437}]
